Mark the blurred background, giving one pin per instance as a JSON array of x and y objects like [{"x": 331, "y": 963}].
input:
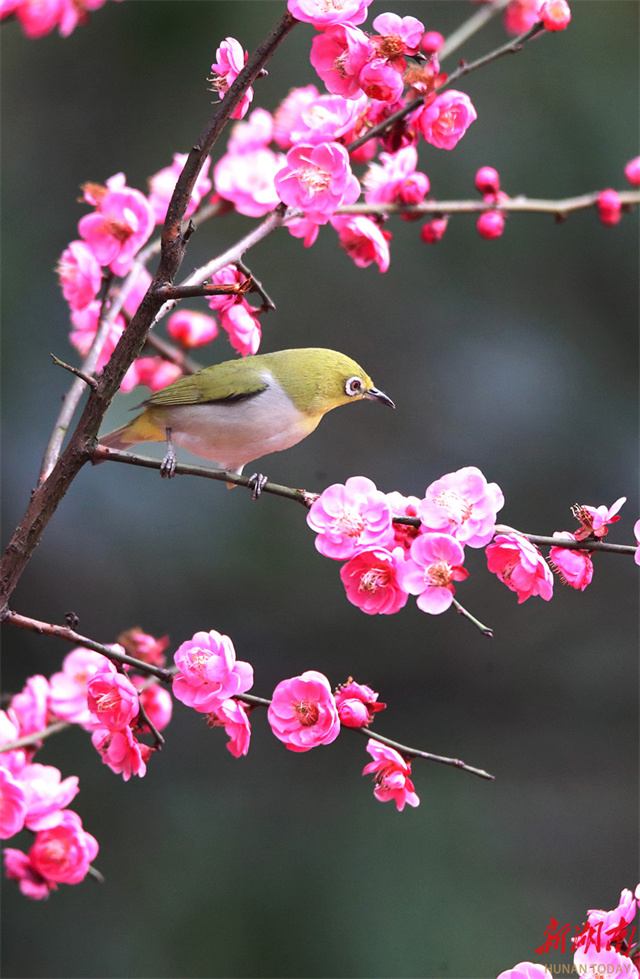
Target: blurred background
[{"x": 518, "y": 356}]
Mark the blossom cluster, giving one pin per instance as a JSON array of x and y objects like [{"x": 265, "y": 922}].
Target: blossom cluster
[
  {"x": 40, "y": 17},
  {"x": 91, "y": 692},
  {"x": 388, "y": 560},
  {"x": 603, "y": 947}
]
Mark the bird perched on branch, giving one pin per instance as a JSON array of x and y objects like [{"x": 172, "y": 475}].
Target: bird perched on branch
[{"x": 238, "y": 411}]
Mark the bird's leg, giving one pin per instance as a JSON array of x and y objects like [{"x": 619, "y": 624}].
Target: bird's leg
[
  {"x": 256, "y": 484},
  {"x": 168, "y": 464}
]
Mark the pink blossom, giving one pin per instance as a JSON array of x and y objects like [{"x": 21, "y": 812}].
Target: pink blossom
[
  {"x": 636, "y": 531},
  {"x": 611, "y": 920},
  {"x": 80, "y": 274},
  {"x": 208, "y": 672},
  {"x": 232, "y": 716},
  {"x": 63, "y": 854},
  {"x": 357, "y": 704},
  {"x": 303, "y": 228},
  {"x": 156, "y": 703},
  {"x": 85, "y": 323},
  {"x": 142, "y": 646},
  {"x": 317, "y": 179},
  {"x": 253, "y": 134},
  {"x": 122, "y": 752},
  {"x": 397, "y": 181},
  {"x": 445, "y": 120},
  {"x": 431, "y": 42},
  {"x": 433, "y": 231},
  {"x": 30, "y": 707},
  {"x": 526, "y": 970},
  {"x": 574, "y": 568},
  {"x": 247, "y": 180},
  {"x": 12, "y": 761},
  {"x": 327, "y": 118},
  {"x": 520, "y": 15},
  {"x": 490, "y": 224},
  {"x": 38, "y": 18},
  {"x": 68, "y": 689},
  {"x": 112, "y": 698},
  {"x": 45, "y": 795},
  {"x": 371, "y": 581},
  {"x": 399, "y": 35},
  {"x": 392, "y": 772},
  {"x": 13, "y": 806},
  {"x": 404, "y": 506},
  {"x": 76, "y": 12},
  {"x": 323, "y": 13},
  {"x": 138, "y": 289},
  {"x": 120, "y": 225},
  {"x": 400, "y": 134},
  {"x": 605, "y": 962},
  {"x": 303, "y": 712},
  {"x": 380, "y": 79},
  {"x": 363, "y": 240},
  {"x": 192, "y": 329},
  {"x": 520, "y": 566},
  {"x": 596, "y": 520},
  {"x": 31, "y": 883},
  {"x": 229, "y": 277},
  {"x": 434, "y": 562},
  {"x": 609, "y": 207},
  {"x": 350, "y": 518},
  {"x": 162, "y": 185},
  {"x": 338, "y": 55},
  {"x": 632, "y": 171},
  {"x": 487, "y": 180},
  {"x": 289, "y": 111},
  {"x": 241, "y": 323},
  {"x": 463, "y": 504},
  {"x": 555, "y": 15},
  {"x": 230, "y": 60}
]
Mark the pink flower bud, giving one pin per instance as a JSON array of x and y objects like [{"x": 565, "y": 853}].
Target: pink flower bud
[
  {"x": 490, "y": 224},
  {"x": 431, "y": 42},
  {"x": 433, "y": 230},
  {"x": 555, "y": 15},
  {"x": 353, "y": 713},
  {"x": 192, "y": 329},
  {"x": 380, "y": 80},
  {"x": 487, "y": 180},
  {"x": 609, "y": 207},
  {"x": 632, "y": 171}
]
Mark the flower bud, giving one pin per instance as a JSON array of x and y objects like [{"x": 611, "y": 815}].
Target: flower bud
[
  {"x": 433, "y": 231},
  {"x": 632, "y": 172},
  {"x": 609, "y": 207},
  {"x": 490, "y": 224},
  {"x": 431, "y": 42},
  {"x": 555, "y": 15},
  {"x": 487, "y": 180}
]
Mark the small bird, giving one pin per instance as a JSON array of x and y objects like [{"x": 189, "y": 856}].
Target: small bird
[{"x": 238, "y": 411}]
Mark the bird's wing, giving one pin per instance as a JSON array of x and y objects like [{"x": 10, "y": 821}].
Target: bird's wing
[{"x": 204, "y": 387}]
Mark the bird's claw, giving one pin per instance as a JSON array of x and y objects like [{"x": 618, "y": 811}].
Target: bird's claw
[
  {"x": 257, "y": 483},
  {"x": 168, "y": 465}
]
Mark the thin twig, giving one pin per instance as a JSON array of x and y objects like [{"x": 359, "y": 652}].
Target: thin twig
[
  {"x": 484, "y": 629},
  {"x": 520, "y": 203},
  {"x": 470, "y": 27},
  {"x": 256, "y": 286},
  {"x": 88, "y": 380},
  {"x": 416, "y": 753},
  {"x": 588, "y": 544},
  {"x": 34, "y": 738}
]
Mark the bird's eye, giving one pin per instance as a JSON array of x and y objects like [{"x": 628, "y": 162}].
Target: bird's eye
[{"x": 353, "y": 386}]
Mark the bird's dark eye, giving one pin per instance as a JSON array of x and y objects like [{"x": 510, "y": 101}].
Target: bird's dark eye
[{"x": 353, "y": 386}]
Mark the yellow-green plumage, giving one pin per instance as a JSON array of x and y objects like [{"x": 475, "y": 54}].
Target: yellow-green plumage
[{"x": 238, "y": 411}]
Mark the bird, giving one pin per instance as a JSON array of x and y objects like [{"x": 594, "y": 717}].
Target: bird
[{"x": 238, "y": 411}]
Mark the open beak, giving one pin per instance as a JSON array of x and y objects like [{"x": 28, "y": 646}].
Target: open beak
[{"x": 374, "y": 395}]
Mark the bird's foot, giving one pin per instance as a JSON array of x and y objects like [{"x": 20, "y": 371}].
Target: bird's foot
[
  {"x": 168, "y": 465},
  {"x": 257, "y": 483}
]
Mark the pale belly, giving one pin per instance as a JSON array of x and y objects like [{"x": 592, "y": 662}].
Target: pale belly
[{"x": 235, "y": 434}]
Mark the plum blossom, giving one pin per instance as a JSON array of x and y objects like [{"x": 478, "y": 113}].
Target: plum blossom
[
  {"x": 574, "y": 568},
  {"x": 230, "y": 60},
  {"x": 85, "y": 325},
  {"x": 208, "y": 672},
  {"x": 595, "y": 521},
  {"x": 446, "y": 119},
  {"x": 112, "y": 698},
  {"x": 136, "y": 289},
  {"x": 303, "y": 228},
  {"x": 12, "y": 761},
  {"x": 487, "y": 180},
  {"x": 324, "y": 13},
  {"x": 162, "y": 184},
  {"x": 490, "y": 224},
  {"x": 257, "y": 131},
  {"x": 39, "y": 17},
  {"x": 403, "y": 506},
  {"x": 317, "y": 179},
  {"x": 357, "y": 704},
  {"x": 329, "y": 117},
  {"x": 526, "y": 970},
  {"x": 46, "y": 795},
  {"x": 433, "y": 231},
  {"x": 13, "y": 805},
  {"x": 60, "y": 855},
  {"x": 154, "y": 372},
  {"x": 303, "y": 712},
  {"x": 247, "y": 180},
  {"x": 555, "y": 15},
  {"x": 120, "y": 225},
  {"x": 463, "y": 504},
  {"x": 392, "y": 773},
  {"x": 609, "y": 207},
  {"x": 398, "y": 35},
  {"x": 68, "y": 689},
  {"x": 520, "y": 15},
  {"x": 289, "y": 111},
  {"x": 338, "y": 55},
  {"x": 363, "y": 240},
  {"x": 122, "y": 752},
  {"x": 371, "y": 581},
  {"x": 431, "y": 42},
  {"x": 232, "y": 716},
  {"x": 241, "y": 323},
  {"x": 396, "y": 181},
  {"x": 380, "y": 79},
  {"x": 156, "y": 703},
  {"x": 80, "y": 274},
  {"x": 351, "y": 517},
  {"x": 191, "y": 329},
  {"x": 30, "y": 706},
  {"x": 520, "y": 566},
  {"x": 632, "y": 171},
  {"x": 434, "y": 562},
  {"x": 142, "y": 646}
]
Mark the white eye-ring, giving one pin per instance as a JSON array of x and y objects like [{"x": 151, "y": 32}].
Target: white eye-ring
[{"x": 353, "y": 386}]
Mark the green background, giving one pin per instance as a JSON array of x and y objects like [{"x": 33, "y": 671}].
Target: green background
[{"x": 518, "y": 356}]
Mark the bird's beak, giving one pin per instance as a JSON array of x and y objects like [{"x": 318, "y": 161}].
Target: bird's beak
[{"x": 374, "y": 395}]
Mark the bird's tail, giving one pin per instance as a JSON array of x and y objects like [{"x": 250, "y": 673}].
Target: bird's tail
[{"x": 141, "y": 429}]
